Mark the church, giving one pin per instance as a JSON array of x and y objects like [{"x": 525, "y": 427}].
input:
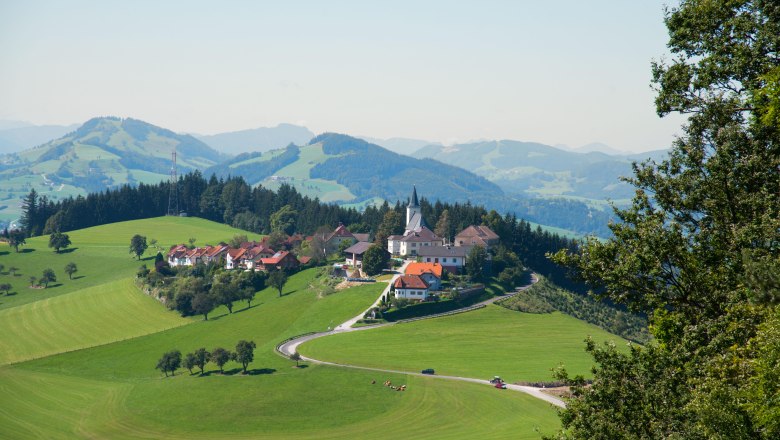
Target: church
[{"x": 417, "y": 234}]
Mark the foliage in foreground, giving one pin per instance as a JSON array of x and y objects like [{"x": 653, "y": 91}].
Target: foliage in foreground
[{"x": 696, "y": 249}]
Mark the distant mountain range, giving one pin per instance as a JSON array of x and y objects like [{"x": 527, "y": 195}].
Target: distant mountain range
[
  {"x": 507, "y": 176},
  {"x": 399, "y": 145},
  {"x": 102, "y": 153},
  {"x": 258, "y": 139},
  {"x": 538, "y": 170},
  {"x": 17, "y": 136}
]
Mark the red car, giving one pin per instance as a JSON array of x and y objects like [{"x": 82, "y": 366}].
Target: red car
[{"x": 500, "y": 385}]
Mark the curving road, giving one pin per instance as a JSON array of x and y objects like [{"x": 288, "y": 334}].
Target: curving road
[{"x": 289, "y": 347}]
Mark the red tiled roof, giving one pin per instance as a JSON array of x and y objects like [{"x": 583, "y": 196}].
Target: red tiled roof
[
  {"x": 410, "y": 282},
  {"x": 304, "y": 259},
  {"x": 421, "y": 268},
  {"x": 275, "y": 259},
  {"x": 341, "y": 231}
]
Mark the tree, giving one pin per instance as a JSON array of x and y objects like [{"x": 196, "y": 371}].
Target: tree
[
  {"x": 237, "y": 240},
  {"x": 58, "y": 240},
  {"x": 192, "y": 241},
  {"x": 392, "y": 223},
  {"x": 277, "y": 279},
  {"x": 443, "y": 226},
  {"x": 245, "y": 353},
  {"x": 48, "y": 277},
  {"x": 700, "y": 223},
  {"x": 224, "y": 290},
  {"x": 1, "y": 268},
  {"x": 70, "y": 269},
  {"x": 33, "y": 281},
  {"x": 190, "y": 361},
  {"x": 153, "y": 243},
  {"x": 16, "y": 238},
  {"x": 475, "y": 262},
  {"x": 138, "y": 245},
  {"x": 296, "y": 357},
  {"x": 170, "y": 361},
  {"x": 202, "y": 304},
  {"x": 201, "y": 358},
  {"x": 283, "y": 220},
  {"x": 375, "y": 260},
  {"x": 220, "y": 356},
  {"x": 6, "y": 287},
  {"x": 276, "y": 239},
  {"x": 12, "y": 270}
]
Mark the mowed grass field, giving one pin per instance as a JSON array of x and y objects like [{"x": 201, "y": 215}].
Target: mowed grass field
[
  {"x": 102, "y": 254},
  {"x": 79, "y": 359},
  {"x": 92, "y": 316},
  {"x": 113, "y": 391},
  {"x": 483, "y": 343}
]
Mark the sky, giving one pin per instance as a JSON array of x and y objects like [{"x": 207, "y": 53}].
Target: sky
[{"x": 557, "y": 72}]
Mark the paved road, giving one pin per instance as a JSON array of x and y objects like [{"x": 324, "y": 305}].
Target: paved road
[{"x": 290, "y": 347}]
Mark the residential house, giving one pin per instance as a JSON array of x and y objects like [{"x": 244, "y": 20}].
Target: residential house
[
  {"x": 282, "y": 260},
  {"x": 181, "y": 255},
  {"x": 430, "y": 272},
  {"x": 452, "y": 258},
  {"x": 411, "y": 287},
  {"x": 354, "y": 253},
  {"x": 477, "y": 236}
]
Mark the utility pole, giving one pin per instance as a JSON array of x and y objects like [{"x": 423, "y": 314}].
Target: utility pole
[{"x": 173, "y": 193}]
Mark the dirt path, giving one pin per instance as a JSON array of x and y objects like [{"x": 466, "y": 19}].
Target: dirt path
[{"x": 289, "y": 347}]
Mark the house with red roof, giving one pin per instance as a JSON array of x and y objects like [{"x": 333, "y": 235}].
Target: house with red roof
[
  {"x": 282, "y": 260},
  {"x": 411, "y": 287},
  {"x": 181, "y": 255},
  {"x": 430, "y": 272}
]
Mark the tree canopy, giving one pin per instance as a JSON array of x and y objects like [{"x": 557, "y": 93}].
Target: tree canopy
[{"x": 702, "y": 223}]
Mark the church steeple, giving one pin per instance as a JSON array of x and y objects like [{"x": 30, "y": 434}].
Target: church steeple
[
  {"x": 413, "y": 202},
  {"x": 411, "y": 210}
]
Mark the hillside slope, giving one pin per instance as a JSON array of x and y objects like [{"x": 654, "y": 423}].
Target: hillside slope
[
  {"x": 258, "y": 139},
  {"x": 102, "y": 153},
  {"x": 539, "y": 170}
]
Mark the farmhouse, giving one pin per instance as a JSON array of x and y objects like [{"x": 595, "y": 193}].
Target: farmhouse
[
  {"x": 477, "y": 236},
  {"x": 334, "y": 240},
  {"x": 452, "y": 258},
  {"x": 411, "y": 287},
  {"x": 181, "y": 255},
  {"x": 431, "y": 273},
  {"x": 282, "y": 260}
]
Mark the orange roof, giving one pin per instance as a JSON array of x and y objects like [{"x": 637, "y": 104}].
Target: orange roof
[{"x": 421, "y": 268}]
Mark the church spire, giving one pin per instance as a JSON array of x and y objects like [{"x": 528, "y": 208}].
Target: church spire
[{"x": 413, "y": 202}]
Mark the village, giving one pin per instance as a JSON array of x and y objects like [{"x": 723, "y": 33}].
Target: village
[{"x": 425, "y": 258}]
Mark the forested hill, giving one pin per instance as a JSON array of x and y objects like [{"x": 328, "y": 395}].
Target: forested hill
[
  {"x": 538, "y": 170},
  {"x": 344, "y": 169},
  {"x": 234, "y": 202}
]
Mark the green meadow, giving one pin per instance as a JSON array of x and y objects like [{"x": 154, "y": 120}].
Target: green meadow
[
  {"x": 79, "y": 362},
  {"x": 483, "y": 343}
]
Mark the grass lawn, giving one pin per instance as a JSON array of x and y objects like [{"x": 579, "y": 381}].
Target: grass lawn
[
  {"x": 483, "y": 343},
  {"x": 100, "y": 253},
  {"x": 112, "y": 391},
  {"x": 92, "y": 316}
]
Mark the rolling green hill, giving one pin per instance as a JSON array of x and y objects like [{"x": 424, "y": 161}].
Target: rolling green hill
[{"x": 103, "y": 152}]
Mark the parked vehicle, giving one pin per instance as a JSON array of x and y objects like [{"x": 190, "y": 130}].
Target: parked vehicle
[
  {"x": 428, "y": 371},
  {"x": 496, "y": 380},
  {"x": 500, "y": 385}
]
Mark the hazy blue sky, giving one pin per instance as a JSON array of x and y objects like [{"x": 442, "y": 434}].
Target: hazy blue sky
[{"x": 558, "y": 72}]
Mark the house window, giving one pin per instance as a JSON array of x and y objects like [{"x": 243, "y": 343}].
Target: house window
[
  {"x": 428, "y": 260},
  {"x": 414, "y": 244},
  {"x": 443, "y": 260}
]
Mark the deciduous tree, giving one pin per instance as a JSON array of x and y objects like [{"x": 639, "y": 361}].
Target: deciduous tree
[
  {"x": 170, "y": 361},
  {"x": 190, "y": 361},
  {"x": 58, "y": 240},
  {"x": 277, "y": 279},
  {"x": 70, "y": 269},
  {"x": 245, "y": 353},
  {"x": 16, "y": 238},
  {"x": 201, "y": 358},
  {"x": 220, "y": 357},
  {"x": 48, "y": 277},
  {"x": 375, "y": 260},
  {"x": 138, "y": 245}
]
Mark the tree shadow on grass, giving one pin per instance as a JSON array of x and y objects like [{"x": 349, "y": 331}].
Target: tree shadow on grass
[
  {"x": 51, "y": 286},
  {"x": 77, "y": 277},
  {"x": 246, "y": 308},
  {"x": 237, "y": 371},
  {"x": 258, "y": 371},
  {"x": 4, "y": 253},
  {"x": 68, "y": 250},
  {"x": 10, "y": 294},
  {"x": 289, "y": 293},
  {"x": 26, "y": 251}
]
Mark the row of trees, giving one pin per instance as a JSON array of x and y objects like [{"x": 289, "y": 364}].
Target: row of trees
[
  {"x": 172, "y": 360},
  {"x": 261, "y": 210}
]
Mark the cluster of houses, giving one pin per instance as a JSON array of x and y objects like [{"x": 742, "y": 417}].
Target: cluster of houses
[
  {"x": 418, "y": 241},
  {"x": 250, "y": 255}
]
